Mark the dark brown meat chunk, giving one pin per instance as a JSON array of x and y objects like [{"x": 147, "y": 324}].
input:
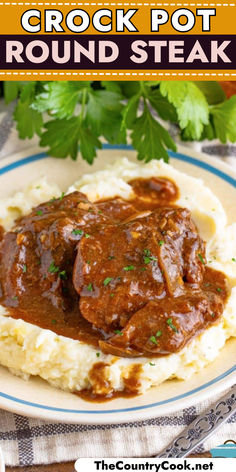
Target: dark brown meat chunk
[
  {"x": 121, "y": 268},
  {"x": 37, "y": 257},
  {"x": 165, "y": 326}
]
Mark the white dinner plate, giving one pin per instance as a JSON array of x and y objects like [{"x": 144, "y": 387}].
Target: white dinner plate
[{"x": 37, "y": 398}]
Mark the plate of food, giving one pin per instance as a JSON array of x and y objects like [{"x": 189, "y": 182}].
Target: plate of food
[{"x": 117, "y": 285}]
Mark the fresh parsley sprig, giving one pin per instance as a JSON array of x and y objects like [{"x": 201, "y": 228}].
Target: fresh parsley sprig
[{"x": 73, "y": 116}]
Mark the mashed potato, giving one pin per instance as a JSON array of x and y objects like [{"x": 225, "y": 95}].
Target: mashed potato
[{"x": 66, "y": 363}]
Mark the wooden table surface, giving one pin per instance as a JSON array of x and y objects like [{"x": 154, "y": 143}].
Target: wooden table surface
[{"x": 67, "y": 466}]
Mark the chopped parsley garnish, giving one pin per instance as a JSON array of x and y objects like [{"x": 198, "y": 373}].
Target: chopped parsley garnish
[
  {"x": 110, "y": 258},
  {"x": 99, "y": 212},
  {"x": 39, "y": 212},
  {"x": 143, "y": 269},
  {"x": 171, "y": 325},
  {"x": 54, "y": 321},
  {"x": 24, "y": 268},
  {"x": 219, "y": 289},
  {"x": 160, "y": 243},
  {"x": 90, "y": 287},
  {"x": 52, "y": 268},
  {"x": 98, "y": 354},
  {"x": 77, "y": 231},
  {"x": 117, "y": 331},
  {"x": 213, "y": 315},
  {"x": 201, "y": 259},
  {"x": 158, "y": 333},
  {"x": 148, "y": 257},
  {"x": 87, "y": 235},
  {"x": 207, "y": 284},
  {"x": 127, "y": 268},
  {"x": 39, "y": 262},
  {"x": 153, "y": 340},
  {"x": 88, "y": 262},
  {"x": 233, "y": 259},
  {"x": 107, "y": 281},
  {"x": 38, "y": 186},
  {"x": 147, "y": 260},
  {"x": 15, "y": 298},
  {"x": 62, "y": 195},
  {"x": 63, "y": 275},
  {"x": 152, "y": 364},
  {"x": 112, "y": 294}
]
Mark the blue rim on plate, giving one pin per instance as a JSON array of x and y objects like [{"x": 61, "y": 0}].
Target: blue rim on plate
[
  {"x": 175, "y": 155},
  {"x": 127, "y": 147}
]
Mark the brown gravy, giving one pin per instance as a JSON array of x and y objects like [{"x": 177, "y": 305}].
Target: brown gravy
[{"x": 128, "y": 277}]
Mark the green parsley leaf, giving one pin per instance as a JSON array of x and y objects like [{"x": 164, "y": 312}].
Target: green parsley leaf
[
  {"x": 171, "y": 325},
  {"x": 191, "y": 106},
  {"x": 39, "y": 212},
  {"x": 24, "y": 268},
  {"x": 201, "y": 259},
  {"x": 54, "y": 321},
  {"x": 104, "y": 114},
  {"x": 153, "y": 340},
  {"x": 28, "y": 121},
  {"x": 152, "y": 364},
  {"x": 233, "y": 259},
  {"x": 162, "y": 106},
  {"x": 150, "y": 138},
  {"x": 52, "y": 268},
  {"x": 107, "y": 281},
  {"x": 160, "y": 243},
  {"x": 130, "y": 111},
  {"x": 77, "y": 231},
  {"x": 90, "y": 287},
  {"x": 147, "y": 260},
  {"x": 63, "y": 275},
  {"x": 98, "y": 354},
  {"x": 158, "y": 333},
  {"x": 87, "y": 235},
  {"x": 11, "y": 90},
  {"x": 117, "y": 331},
  {"x": 128, "y": 268},
  {"x": 60, "y": 98},
  {"x": 219, "y": 289},
  {"x": 224, "y": 119},
  {"x": 66, "y": 136}
]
